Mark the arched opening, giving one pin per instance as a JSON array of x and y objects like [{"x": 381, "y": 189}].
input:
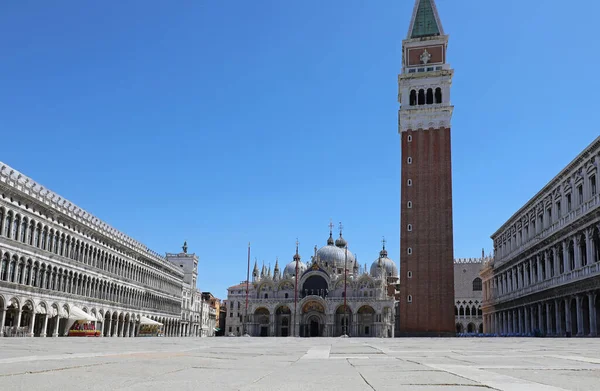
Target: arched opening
[
  {"x": 561, "y": 261},
  {"x": 470, "y": 328},
  {"x": 343, "y": 319},
  {"x": 596, "y": 245},
  {"x": 314, "y": 285},
  {"x": 455, "y": 311},
  {"x": 421, "y": 97},
  {"x": 585, "y": 319},
  {"x": 571, "y": 252},
  {"x": 481, "y": 329},
  {"x": 573, "y": 311},
  {"x": 461, "y": 311},
  {"x": 459, "y": 328},
  {"x": 413, "y": 97},
  {"x": 438, "y": 95},
  {"x": 261, "y": 321},
  {"x": 283, "y": 321},
  {"x": 366, "y": 315},
  {"x": 582, "y": 250},
  {"x": 477, "y": 285},
  {"x": 563, "y": 316},
  {"x": 429, "y": 96},
  {"x": 468, "y": 311},
  {"x": 313, "y": 319},
  {"x": 597, "y": 309}
]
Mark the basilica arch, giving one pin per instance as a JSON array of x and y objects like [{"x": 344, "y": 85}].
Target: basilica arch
[
  {"x": 283, "y": 321},
  {"x": 313, "y": 322},
  {"x": 366, "y": 321},
  {"x": 261, "y": 322},
  {"x": 343, "y": 321}
]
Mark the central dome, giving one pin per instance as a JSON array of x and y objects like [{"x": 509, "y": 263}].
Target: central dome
[
  {"x": 384, "y": 263},
  {"x": 334, "y": 255}
]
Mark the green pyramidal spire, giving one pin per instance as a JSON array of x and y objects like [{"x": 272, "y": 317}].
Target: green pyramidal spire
[{"x": 425, "y": 23}]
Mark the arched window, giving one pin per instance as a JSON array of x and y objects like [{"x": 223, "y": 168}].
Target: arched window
[
  {"x": 429, "y": 96},
  {"x": 468, "y": 311},
  {"x": 409, "y": 298},
  {"x": 286, "y": 295},
  {"x": 477, "y": 284},
  {"x": 409, "y": 138},
  {"x": 409, "y": 227},
  {"x": 409, "y": 182},
  {"x": 421, "y": 97},
  {"x": 461, "y": 311},
  {"x": 455, "y": 311},
  {"x": 409, "y": 250},
  {"x": 413, "y": 97},
  {"x": 409, "y": 204},
  {"x": 438, "y": 95}
]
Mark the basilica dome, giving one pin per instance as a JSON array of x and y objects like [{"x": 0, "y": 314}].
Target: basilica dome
[
  {"x": 334, "y": 255},
  {"x": 290, "y": 269},
  {"x": 390, "y": 266}
]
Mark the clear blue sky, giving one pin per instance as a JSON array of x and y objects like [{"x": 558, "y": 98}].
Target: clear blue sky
[{"x": 223, "y": 122}]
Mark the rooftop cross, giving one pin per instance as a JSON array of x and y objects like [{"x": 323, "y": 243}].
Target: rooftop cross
[
  {"x": 341, "y": 228},
  {"x": 330, "y": 226},
  {"x": 383, "y": 241}
]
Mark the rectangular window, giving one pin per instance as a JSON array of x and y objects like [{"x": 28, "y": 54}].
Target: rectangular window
[
  {"x": 580, "y": 194},
  {"x": 541, "y": 222},
  {"x": 568, "y": 202},
  {"x": 593, "y": 185},
  {"x": 549, "y": 216},
  {"x": 557, "y": 208}
]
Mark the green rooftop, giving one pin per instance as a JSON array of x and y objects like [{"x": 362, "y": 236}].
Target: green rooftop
[{"x": 425, "y": 24}]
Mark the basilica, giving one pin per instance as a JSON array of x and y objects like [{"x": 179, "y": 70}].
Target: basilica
[{"x": 329, "y": 296}]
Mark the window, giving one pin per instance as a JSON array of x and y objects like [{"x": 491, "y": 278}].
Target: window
[
  {"x": 557, "y": 208},
  {"x": 413, "y": 97},
  {"x": 421, "y": 97},
  {"x": 231, "y": 314},
  {"x": 266, "y": 295},
  {"x": 286, "y": 295},
  {"x": 409, "y": 274},
  {"x": 549, "y": 216},
  {"x": 429, "y": 97},
  {"x": 477, "y": 286},
  {"x": 230, "y": 329},
  {"x": 409, "y": 138},
  {"x": 568, "y": 202},
  {"x": 593, "y": 185},
  {"x": 409, "y": 204},
  {"x": 409, "y": 160},
  {"x": 580, "y": 193},
  {"x": 409, "y": 250},
  {"x": 409, "y": 227},
  {"x": 409, "y": 299},
  {"x": 438, "y": 95},
  {"x": 409, "y": 182}
]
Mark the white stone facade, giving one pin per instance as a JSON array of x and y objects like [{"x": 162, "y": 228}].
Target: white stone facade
[
  {"x": 321, "y": 287},
  {"x": 545, "y": 274},
  {"x": 56, "y": 258},
  {"x": 468, "y": 295}
]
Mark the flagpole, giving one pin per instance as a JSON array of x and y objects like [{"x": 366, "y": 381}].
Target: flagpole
[
  {"x": 247, "y": 291},
  {"x": 345, "y": 291},
  {"x": 296, "y": 289}
]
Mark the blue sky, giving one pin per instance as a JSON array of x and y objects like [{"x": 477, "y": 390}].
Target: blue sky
[{"x": 224, "y": 122}]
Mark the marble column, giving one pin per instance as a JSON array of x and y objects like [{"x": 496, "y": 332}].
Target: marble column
[
  {"x": 109, "y": 334},
  {"x": 549, "y": 315},
  {"x": 2, "y": 321},
  {"x": 43, "y": 333},
  {"x": 541, "y": 324},
  {"x": 579, "y": 303},
  {"x": 559, "y": 330},
  {"x": 568, "y": 315},
  {"x": 592, "y": 310},
  {"x": 56, "y": 323},
  {"x": 31, "y": 325}
]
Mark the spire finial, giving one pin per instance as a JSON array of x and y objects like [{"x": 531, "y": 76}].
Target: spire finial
[
  {"x": 184, "y": 247},
  {"x": 383, "y": 241},
  {"x": 341, "y": 228},
  {"x": 330, "y": 227}
]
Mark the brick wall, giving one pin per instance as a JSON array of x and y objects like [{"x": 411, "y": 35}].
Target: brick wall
[{"x": 431, "y": 262}]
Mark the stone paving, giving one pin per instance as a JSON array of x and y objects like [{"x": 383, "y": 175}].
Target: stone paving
[{"x": 61, "y": 364}]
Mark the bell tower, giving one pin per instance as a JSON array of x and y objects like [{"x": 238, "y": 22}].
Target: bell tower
[{"x": 426, "y": 239}]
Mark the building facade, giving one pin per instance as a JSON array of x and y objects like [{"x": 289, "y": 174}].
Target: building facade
[
  {"x": 57, "y": 260},
  {"x": 545, "y": 274},
  {"x": 329, "y": 296},
  {"x": 468, "y": 295},
  {"x": 426, "y": 236}
]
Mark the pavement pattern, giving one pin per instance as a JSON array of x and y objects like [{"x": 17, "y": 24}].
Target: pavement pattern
[{"x": 230, "y": 363}]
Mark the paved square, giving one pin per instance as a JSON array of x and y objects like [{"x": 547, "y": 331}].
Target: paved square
[{"x": 61, "y": 364}]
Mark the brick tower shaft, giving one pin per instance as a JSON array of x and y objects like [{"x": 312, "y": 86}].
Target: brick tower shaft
[{"x": 426, "y": 239}]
